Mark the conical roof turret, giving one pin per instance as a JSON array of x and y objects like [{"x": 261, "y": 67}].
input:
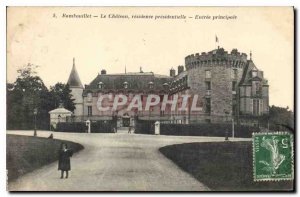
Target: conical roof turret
[{"x": 74, "y": 80}]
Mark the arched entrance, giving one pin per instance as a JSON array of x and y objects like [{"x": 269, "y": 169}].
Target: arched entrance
[{"x": 126, "y": 120}]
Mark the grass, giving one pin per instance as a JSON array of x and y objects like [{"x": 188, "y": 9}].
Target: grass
[
  {"x": 25, "y": 154},
  {"x": 222, "y": 166}
]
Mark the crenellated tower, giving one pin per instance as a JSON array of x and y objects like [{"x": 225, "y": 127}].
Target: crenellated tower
[
  {"x": 214, "y": 76},
  {"x": 229, "y": 85}
]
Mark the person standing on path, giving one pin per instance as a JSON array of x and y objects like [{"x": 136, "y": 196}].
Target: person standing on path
[{"x": 64, "y": 163}]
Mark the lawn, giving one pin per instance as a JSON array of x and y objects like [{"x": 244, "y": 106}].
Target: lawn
[
  {"x": 25, "y": 154},
  {"x": 222, "y": 166}
]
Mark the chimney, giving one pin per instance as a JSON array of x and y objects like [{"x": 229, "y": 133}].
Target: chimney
[
  {"x": 180, "y": 69},
  {"x": 103, "y": 72},
  {"x": 172, "y": 72},
  {"x": 61, "y": 105}
]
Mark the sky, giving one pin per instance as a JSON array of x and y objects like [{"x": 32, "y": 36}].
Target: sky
[{"x": 41, "y": 36}]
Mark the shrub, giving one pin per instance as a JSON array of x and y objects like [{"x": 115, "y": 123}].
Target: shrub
[
  {"x": 103, "y": 126},
  {"x": 76, "y": 127},
  {"x": 206, "y": 129}
]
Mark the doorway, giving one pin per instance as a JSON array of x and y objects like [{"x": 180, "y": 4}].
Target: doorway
[{"x": 126, "y": 120}]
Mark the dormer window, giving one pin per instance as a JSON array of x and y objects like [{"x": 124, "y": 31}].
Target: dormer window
[
  {"x": 125, "y": 84},
  {"x": 89, "y": 97},
  {"x": 254, "y": 73},
  {"x": 165, "y": 85},
  {"x": 150, "y": 84},
  {"x": 100, "y": 85}
]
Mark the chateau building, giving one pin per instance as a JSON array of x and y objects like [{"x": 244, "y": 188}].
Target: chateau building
[{"x": 228, "y": 85}]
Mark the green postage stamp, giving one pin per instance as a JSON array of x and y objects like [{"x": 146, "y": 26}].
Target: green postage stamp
[{"x": 273, "y": 156}]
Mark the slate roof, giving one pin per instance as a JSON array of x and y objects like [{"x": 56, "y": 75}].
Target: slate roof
[
  {"x": 137, "y": 82},
  {"x": 247, "y": 75},
  {"x": 74, "y": 80},
  {"x": 179, "y": 83}
]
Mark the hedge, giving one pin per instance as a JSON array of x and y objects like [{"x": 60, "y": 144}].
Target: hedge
[
  {"x": 80, "y": 127},
  {"x": 206, "y": 129},
  {"x": 76, "y": 127}
]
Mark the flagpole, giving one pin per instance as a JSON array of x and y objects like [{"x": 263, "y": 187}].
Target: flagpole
[{"x": 215, "y": 41}]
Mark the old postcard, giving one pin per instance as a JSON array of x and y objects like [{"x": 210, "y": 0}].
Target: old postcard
[{"x": 150, "y": 99}]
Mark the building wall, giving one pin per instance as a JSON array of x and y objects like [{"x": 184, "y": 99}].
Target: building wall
[
  {"x": 77, "y": 95},
  {"x": 222, "y": 76},
  {"x": 265, "y": 95},
  {"x": 93, "y": 100},
  {"x": 247, "y": 95},
  {"x": 223, "y": 98},
  {"x": 58, "y": 117}
]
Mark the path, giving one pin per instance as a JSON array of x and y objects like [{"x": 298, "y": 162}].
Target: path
[{"x": 114, "y": 162}]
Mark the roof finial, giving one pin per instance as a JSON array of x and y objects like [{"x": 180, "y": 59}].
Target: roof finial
[
  {"x": 73, "y": 61},
  {"x": 141, "y": 69},
  {"x": 125, "y": 69},
  {"x": 250, "y": 55}
]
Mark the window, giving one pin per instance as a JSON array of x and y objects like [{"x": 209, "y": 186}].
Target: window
[
  {"x": 234, "y": 109},
  {"x": 233, "y": 85},
  {"x": 100, "y": 85},
  {"x": 254, "y": 73},
  {"x": 207, "y": 121},
  {"x": 165, "y": 85},
  {"x": 90, "y": 113},
  {"x": 234, "y": 73},
  {"x": 255, "y": 106},
  {"x": 208, "y": 85},
  {"x": 185, "y": 80},
  {"x": 207, "y": 74},
  {"x": 258, "y": 88},
  {"x": 125, "y": 84},
  {"x": 207, "y": 104},
  {"x": 89, "y": 97},
  {"x": 150, "y": 84}
]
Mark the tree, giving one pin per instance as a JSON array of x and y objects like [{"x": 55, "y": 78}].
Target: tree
[
  {"x": 23, "y": 96},
  {"x": 61, "y": 93},
  {"x": 29, "y": 92},
  {"x": 281, "y": 118}
]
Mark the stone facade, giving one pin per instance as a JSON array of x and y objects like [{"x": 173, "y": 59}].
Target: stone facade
[
  {"x": 228, "y": 85},
  {"x": 212, "y": 76},
  {"x": 79, "y": 103}
]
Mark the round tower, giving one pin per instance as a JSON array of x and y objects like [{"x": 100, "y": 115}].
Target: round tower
[
  {"x": 77, "y": 90},
  {"x": 214, "y": 77}
]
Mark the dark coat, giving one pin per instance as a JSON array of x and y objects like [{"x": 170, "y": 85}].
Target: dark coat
[{"x": 64, "y": 160}]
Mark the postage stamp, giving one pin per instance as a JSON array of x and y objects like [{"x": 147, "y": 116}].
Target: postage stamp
[{"x": 273, "y": 156}]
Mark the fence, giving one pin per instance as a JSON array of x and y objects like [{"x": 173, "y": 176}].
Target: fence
[{"x": 144, "y": 126}]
